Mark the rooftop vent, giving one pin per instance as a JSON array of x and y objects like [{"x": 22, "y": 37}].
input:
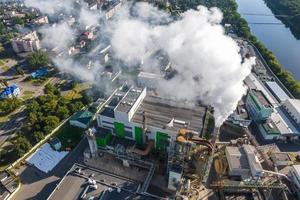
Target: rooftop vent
[{"x": 181, "y": 122}]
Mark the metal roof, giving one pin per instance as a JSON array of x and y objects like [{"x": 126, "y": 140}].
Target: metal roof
[{"x": 276, "y": 90}]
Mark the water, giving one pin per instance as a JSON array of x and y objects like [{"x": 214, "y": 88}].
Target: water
[{"x": 277, "y": 38}]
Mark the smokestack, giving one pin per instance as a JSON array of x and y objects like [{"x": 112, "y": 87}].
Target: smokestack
[
  {"x": 90, "y": 133},
  {"x": 144, "y": 126},
  {"x": 144, "y": 121}
]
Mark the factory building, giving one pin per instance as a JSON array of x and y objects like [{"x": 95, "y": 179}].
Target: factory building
[
  {"x": 279, "y": 126},
  {"x": 243, "y": 162},
  {"x": 258, "y": 106},
  {"x": 237, "y": 162},
  {"x": 294, "y": 174},
  {"x": 292, "y": 107},
  {"x": 27, "y": 43},
  {"x": 150, "y": 80},
  {"x": 276, "y": 91},
  {"x": 137, "y": 116}
]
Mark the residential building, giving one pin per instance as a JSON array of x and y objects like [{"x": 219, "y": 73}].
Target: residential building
[
  {"x": 81, "y": 119},
  {"x": 27, "y": 43},
  {"x": 41, "y": 20},
  {"x": 9, "y": 92},
  {"x": 258, "y": 106}
]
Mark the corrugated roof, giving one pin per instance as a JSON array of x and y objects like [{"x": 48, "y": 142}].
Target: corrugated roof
[
  {"x": 277, "y": 91},
  {"x": 83, "y": 116}
]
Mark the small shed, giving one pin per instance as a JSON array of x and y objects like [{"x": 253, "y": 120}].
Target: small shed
[
  {"x": 82, "y": 119},
  {"x": 55, "y": 144},
  {"x": 39, "y": 73}
]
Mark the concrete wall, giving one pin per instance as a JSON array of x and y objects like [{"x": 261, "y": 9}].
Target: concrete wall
[{"x": 292, "y": 111}]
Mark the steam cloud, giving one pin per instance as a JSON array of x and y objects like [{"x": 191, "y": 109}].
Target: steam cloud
[{"x": 208, "y": 62}]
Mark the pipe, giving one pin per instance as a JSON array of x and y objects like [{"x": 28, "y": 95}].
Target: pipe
[
  {"x": 278, "y": 174},
  {"x": 200, "y": 141},
  {"x": 143, "y": 152}
]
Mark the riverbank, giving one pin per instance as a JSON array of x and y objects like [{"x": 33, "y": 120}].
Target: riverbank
[
  {"x": 290, "y": 8},
  {"x": 240, "y": 26}
]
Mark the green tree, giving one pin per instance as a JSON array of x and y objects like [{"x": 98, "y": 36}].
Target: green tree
[
  {"x": 86, "y": 99},
  {"x": 62, "y": 112},
  {"x": 38, "y": 59},
  {"x": 76, "y": 106},
  {"x": 9, "y": 105},
  {"x": 21, "y": 146},
  {"x": 38, "y": 136},
  {"x": 51, "y": 89}
]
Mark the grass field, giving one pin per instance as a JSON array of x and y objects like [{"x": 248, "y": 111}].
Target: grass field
[
  {"x": 27, "y": 94},
  {"x": 69, "y": 136},
  {"x": 75, "y": 93}
]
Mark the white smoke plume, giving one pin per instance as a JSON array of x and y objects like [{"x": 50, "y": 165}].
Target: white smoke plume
[
  {"x": 50, "y": 6},
  {"x": 88, "y": 18},
  {"x": 208, "y": 62},
  {"x": 57, "y": 35}
]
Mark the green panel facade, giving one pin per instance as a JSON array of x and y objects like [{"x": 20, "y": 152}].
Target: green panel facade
[
  {"x": 138, "y": 133},
  {"x": 101, "y": 142},
  {"x": 161, "y": 141},
  {"x": 120, "y": 129},
  {"x": 104, "y": 140}
]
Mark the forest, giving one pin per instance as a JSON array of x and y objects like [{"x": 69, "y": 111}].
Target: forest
[{"x": 290, "y": 8}]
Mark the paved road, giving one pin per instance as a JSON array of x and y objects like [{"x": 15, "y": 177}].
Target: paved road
[
  {"x": 38, "y": 185},
  {"x": 17, "y": 118}
]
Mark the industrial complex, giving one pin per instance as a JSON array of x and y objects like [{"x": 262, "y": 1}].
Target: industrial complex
[{"x": 101, "y": 128}]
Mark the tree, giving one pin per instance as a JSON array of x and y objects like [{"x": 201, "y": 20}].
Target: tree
[
  {"x": 74, "y": 107},
  {"x": 62, "y": 112},
  {"x": 51, "y": 89},
  {"x": 2, "y": 49},
  {"x": 51, "y": 121},
  {"x": 38, "y": 59},
  {"x": 9, "y": 105},
  {"x": 38, "y": 136},
  {"x": 86, "y": 99},
  {"x": 21, "y": 146}
]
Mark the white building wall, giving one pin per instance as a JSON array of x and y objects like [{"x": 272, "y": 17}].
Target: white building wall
[
  {"x": 294, "y": 175},
  {"x": 292, "y": 110},
  {"x": 137, "y": 103}
]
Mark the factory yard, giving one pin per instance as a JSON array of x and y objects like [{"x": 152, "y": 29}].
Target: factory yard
[{"x": 38, "y": 185}]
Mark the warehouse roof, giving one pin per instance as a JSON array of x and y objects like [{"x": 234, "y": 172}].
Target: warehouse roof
[
  {"x": 261, "y": 98},
  {"x": 129, "y": 100},
  {"x": 237, "y": 158},
  {"x": 162, "y": 113},
  {"x": 295, "y": 103},
  {"x": 73, "y": 186},
  {"x": 83, "y": 116},
  {"x": 277, "y": 91},
  {"x": 45, "y": 158}
]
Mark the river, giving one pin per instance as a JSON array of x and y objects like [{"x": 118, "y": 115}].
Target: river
[{"x": 277, "y": 38}]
